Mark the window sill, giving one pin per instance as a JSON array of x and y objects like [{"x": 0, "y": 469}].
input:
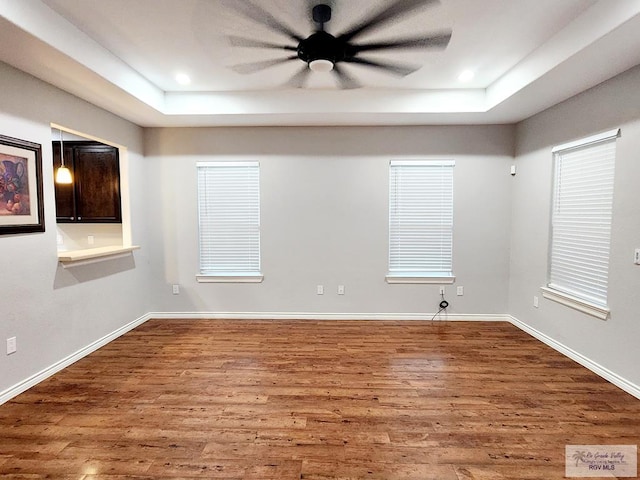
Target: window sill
[
  {"x": 229, "y": 278},
  {"x": 575, "y": 303},
  {"x": 420, "y": 279},
  {"x": 75, "y": 258}
]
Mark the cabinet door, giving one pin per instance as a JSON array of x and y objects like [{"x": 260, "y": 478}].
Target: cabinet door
[
  {"x": 97, "y": 183},
  {"x": 65, "y": 194}
]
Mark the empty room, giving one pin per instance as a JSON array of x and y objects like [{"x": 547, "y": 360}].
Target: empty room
[{"x": 278, "y": 239}]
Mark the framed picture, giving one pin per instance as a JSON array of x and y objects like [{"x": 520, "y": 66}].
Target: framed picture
[{"x": 21, "y": 207}]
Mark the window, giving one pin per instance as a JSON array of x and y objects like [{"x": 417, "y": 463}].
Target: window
[
  {"x": 421, "y": 221},
  {"x": 581, "y": 223},
  {"x": 229, "y": 221}
]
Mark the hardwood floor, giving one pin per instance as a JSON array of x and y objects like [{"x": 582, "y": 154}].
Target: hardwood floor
[{"x": 314, "y": 400}]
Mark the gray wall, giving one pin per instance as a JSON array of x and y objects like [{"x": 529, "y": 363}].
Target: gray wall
[
  {"x": 613, "y": 343},
  {"x": 324, "y": 209},
  {"x": 55, "y": 312}
]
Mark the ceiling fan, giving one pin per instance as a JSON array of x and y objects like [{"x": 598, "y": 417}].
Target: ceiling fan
[{"x": 323, "y": 52}]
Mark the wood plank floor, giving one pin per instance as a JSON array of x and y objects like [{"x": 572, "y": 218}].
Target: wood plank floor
[{"x": 314, "y": 400}]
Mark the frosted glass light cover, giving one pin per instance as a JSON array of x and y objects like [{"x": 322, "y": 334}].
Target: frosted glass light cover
[
  {"x": 321, "y": 65},
  {"x": 63, "y": 175}
]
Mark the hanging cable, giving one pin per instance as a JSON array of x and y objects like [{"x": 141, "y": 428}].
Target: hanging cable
[{"x": 443, "y": 306}]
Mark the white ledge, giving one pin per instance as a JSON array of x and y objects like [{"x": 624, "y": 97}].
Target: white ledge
[
  {"x": 229, "y": 278},
  {"x": 420, "y": 279},
  {"x": 570, "y": 301},
  {"x": 74, "y": 258}
]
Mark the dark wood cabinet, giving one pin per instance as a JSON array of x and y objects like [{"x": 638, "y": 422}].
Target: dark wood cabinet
[{"x": 94, "y": 195}]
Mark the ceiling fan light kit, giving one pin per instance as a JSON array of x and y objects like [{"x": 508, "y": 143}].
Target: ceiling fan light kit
[
  {"x": 323, "y": 52},
  {"x": 321, "y": 65}
]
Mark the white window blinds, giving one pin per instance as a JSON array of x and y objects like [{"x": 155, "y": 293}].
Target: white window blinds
[
  {"x": 421, "y": 218},
  {"x": 229, "y": 218},
  {"x": 581, "y": 218}
]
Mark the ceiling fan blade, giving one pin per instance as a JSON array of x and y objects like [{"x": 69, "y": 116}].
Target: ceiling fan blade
[
  {"x": 253, "y": 67},
  {"x": 300, "y": 78},
  {"x": 259, "y": 15},
  {"x": 396, "y": 9},
  {"x": 439, "y": 41},
  {"x": 249, "y": 42},
  {"x": 395, "y": 68},
  {"x": 346, "y": 81}
]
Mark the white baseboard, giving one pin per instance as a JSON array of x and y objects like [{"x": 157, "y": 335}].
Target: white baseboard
[
  {"x": 464, "y": 317},
  {"x": 24, "y": 385},
  {"x": 629, "y": 387}
]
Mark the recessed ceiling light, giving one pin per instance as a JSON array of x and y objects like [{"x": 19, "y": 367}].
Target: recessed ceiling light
[
  {"x": 466, "y": 76},
  {"x": 183, "y": 79}
]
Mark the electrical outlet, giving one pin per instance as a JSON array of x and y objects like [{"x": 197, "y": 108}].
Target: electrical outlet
[
  {"x": 91, "y": 239},
  {"x": 176, "y": 289},
  {"x": 12, "y": 345},
  {"x": 636, "y": 256},
  {"x": 441, "y": 290},
  {"x": 460, "y": 291},
  {"x": 535, "y": 301},
  {"x": 340, "y": 289},
  {"x": 320, "y": 290}
]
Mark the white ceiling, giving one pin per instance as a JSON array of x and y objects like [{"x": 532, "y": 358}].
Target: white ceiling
[{"x": 123, "y": 55}]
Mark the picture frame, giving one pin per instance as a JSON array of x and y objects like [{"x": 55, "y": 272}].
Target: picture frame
[{"x": 21, "y": 204}]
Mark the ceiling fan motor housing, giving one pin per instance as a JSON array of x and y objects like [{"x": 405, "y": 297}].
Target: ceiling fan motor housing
[{"x": 322, "y": 46}]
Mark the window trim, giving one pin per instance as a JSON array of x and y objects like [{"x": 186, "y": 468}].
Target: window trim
[
  {"x": 432, "y": 279},
  {"x": 212, "y": 278},
  {"x": 548, "y": 291},
  {"x": 575, "y": 303}
]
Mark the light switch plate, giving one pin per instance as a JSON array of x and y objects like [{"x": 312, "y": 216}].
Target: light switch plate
[{"x": 12, "y": 345}]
